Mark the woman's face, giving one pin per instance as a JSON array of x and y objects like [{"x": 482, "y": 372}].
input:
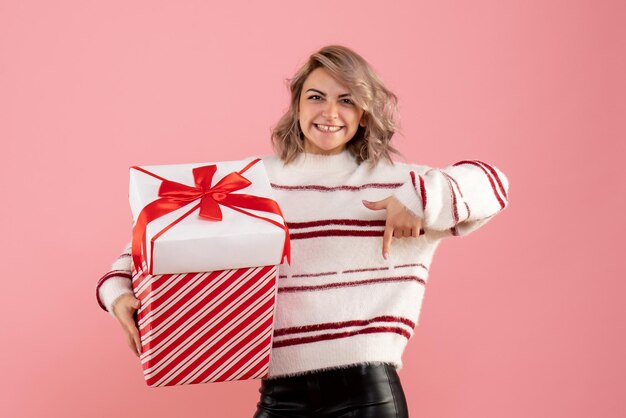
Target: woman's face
[{"x": 326, "y": 102}]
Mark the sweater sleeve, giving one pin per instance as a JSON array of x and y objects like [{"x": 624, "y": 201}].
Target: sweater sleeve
[
  {"x": 116, "y": 282},
  {"x": 460, "y": 198}
]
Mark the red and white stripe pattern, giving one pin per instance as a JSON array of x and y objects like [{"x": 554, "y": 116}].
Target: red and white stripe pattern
[
  {"x": 339, "y": 302},
  {"x": 361, "y": 283},
  {"x": 206, "y": 327},
  {"x": 109, "y": 275},
  {"x": 493, "y": 176},
  {"x": 498, "y": 192},
  {"x": 116, "y": 282},
  {"x": 324, "y": 331},
  {"x": 336, "y": 228},
  {"x": 448, "y": 207}
]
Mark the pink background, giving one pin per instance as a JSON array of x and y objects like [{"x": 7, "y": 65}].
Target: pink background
[{"x": 524, "y": 318}]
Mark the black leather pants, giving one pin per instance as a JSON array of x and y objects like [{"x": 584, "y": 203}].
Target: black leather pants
[{"x": 359, "y": 391}]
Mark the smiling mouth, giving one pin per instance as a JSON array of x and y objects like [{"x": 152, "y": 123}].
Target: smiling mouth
[{"x": 327, "y": 128}]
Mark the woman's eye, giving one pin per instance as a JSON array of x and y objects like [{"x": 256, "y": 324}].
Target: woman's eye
[{"x": 315, "y": 97}]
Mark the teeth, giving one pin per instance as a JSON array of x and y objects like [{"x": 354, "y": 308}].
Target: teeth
[{"x": 327, "y": 128}]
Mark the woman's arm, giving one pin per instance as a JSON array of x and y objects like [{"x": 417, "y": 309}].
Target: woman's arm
[
  {"x": 460, "y": 198},
  {"x": 116, "y": 282}
]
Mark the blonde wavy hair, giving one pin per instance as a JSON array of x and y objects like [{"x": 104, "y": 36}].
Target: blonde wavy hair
[{"x": 371, "y": 142}]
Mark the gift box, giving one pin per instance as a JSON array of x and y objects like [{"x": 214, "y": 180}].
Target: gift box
[
  {"x": 205, "y": 217},
  {"x": 206, "y": 327},
  {"x": 204, "y": 268}
]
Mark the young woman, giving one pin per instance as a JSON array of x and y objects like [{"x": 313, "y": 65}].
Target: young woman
[{"x": 363, "y": 232}]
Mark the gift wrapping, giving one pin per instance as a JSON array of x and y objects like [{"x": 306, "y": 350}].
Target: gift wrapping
[
  {"x": 205, "y": 217},
  {"x": 205, "y": 327}
]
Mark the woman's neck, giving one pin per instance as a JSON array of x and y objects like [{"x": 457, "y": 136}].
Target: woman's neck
[{"x": 308, "y": 161}]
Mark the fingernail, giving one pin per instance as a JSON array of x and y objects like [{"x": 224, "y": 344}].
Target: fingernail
[
  {"x": 365, "y": 202},
  {"x": 386, "y": 255}
]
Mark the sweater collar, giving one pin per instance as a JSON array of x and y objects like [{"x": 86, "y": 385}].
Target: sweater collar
[{"x": 343, "y": 161}]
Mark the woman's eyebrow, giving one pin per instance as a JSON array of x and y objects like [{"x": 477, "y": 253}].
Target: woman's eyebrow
[{"x": 324, "y": 94}]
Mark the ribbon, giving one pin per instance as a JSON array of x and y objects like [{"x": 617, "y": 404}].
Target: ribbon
[{"x": 175, "y": 195}]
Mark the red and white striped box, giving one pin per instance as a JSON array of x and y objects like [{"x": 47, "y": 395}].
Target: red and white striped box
[
  {"x": 218, "y": 219},
  {"x": 205, "y": 327}
]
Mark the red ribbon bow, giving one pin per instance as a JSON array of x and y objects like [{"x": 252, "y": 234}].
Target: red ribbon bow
[{"x": 175, "y": 195}]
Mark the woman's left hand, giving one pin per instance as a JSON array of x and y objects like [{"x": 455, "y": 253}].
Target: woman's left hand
[{"x": 401, "y": 222}]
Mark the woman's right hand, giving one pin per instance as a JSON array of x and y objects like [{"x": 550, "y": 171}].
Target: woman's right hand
[{"x": 124, "y": 308}]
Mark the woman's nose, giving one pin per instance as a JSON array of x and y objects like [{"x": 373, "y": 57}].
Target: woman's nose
[{"x": 330, "y": 111}]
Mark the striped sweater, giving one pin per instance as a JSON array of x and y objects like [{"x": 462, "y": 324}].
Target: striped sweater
[{"x": 340, "y": 302}]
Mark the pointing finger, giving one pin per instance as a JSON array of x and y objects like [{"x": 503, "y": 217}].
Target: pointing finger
[{"x": 387, "y": 241}]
